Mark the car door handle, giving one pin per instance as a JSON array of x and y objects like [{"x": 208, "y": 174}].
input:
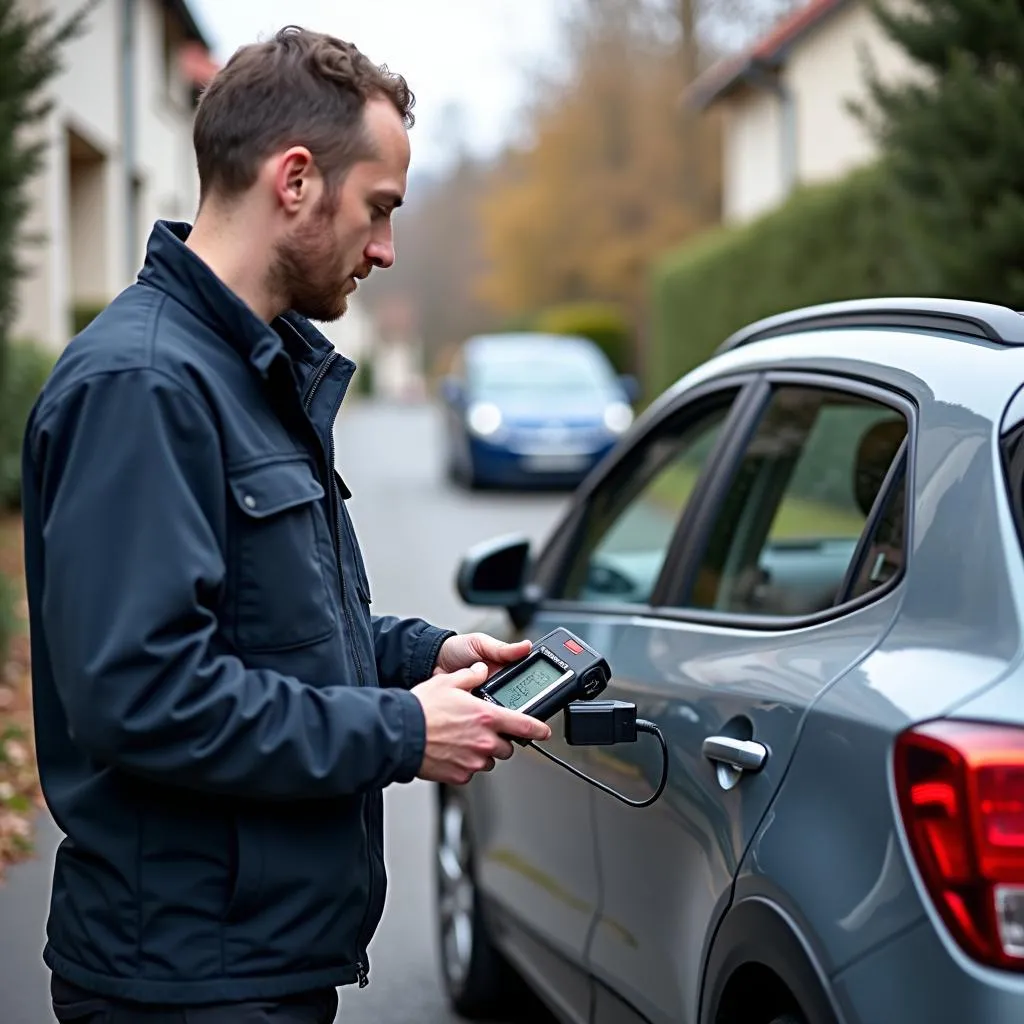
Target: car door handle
[{"x": 743, "y": 755}]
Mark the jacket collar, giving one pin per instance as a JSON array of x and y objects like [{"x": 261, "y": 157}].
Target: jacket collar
[{"x": 176, "y": 270}]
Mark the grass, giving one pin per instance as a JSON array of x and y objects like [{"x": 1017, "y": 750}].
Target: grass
[{"x": 796, "y": 517}]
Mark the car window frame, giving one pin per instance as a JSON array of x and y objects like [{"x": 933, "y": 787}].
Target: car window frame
[
  {"x": 554, "y": 562},
  {"x": 689, "y": 540},
  {"x": 680, "y": 586},
  {"x": 896, "y": 473}
]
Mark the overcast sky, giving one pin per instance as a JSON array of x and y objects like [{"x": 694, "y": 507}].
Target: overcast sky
[{"x": 473, "y": 53}]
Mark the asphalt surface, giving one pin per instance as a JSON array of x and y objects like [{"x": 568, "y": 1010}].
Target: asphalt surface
[{"x": 413, "y": 527}]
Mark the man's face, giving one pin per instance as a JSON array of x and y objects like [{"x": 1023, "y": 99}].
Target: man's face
[{"x": 347, "y": 233}]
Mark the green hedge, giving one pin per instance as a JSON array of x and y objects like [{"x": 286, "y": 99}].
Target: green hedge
[
  {"x": 603, "y": 323},
  {"x": 83, "y": 314},
  {"x": 830, "y": 242},
  {"x": 363, "y": 380},
  {"x": 26, "y": 367}
]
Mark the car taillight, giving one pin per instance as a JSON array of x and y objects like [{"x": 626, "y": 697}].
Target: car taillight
[{"x": 961, "y": 793}]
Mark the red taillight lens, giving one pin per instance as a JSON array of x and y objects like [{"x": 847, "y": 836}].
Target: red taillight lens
[{"x": 961, "y": 794}]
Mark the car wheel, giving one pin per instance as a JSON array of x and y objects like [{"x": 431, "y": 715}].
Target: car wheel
[
  {"x": 470, "y": 479},
  {"x": 478, "y": 980},
  {"x": 451, "y": 470}
]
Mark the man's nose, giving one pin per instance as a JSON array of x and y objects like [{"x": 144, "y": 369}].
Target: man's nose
[{"x": 381, "y": 254}]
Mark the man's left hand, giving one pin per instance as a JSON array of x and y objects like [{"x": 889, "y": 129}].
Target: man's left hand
[{"x": 466, "y": 649}]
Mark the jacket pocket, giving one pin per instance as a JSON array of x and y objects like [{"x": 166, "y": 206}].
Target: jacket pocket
[
  {"x": 303, "y": 889},
  {"x": 247, "y": 871},
  {"x": 281, "y": 598}
]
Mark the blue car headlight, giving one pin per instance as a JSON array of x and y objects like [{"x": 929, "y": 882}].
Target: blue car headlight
[
  {"x": 483, "y": 419},
  {"x": 618, "y": 417}
]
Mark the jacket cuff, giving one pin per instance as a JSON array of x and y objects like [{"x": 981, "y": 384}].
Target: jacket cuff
[
  {"x": 423, "y": 654},
  {"x": 414, "y": 730}
]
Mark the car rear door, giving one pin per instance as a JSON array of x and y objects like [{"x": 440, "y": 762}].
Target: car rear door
[{"x": 766, "y": 599}]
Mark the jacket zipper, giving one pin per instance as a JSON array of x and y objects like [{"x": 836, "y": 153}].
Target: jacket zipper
[
  {"x": 362, "y": 968},
  {"x": 335, "y": 514}
]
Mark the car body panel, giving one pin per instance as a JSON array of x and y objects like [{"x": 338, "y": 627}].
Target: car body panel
[
  {"x": 958, "y": 991},
  {"x": 683, "y": 852},
  {"x": 827, "y": 698},
  {"x": 954, "y": 643},
  {"x": 1001, "y": 702}
]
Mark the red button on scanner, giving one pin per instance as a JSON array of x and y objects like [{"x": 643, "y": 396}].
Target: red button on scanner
[{"x": 573, "y": 646}]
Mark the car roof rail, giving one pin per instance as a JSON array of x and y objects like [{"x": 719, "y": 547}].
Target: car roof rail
[{"x": 984, "y": 320}]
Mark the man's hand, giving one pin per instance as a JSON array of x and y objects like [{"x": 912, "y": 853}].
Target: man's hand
[
  {"x": 466, "y": 649},
  {"x": 464, "y": 733}
]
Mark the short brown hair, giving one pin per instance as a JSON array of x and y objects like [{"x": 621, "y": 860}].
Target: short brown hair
[{"x": 300, "y": 89}]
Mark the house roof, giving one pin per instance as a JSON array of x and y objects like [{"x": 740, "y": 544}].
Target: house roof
[
  {"x": 197, "y": 66},
  {"x": 188, "y": 20},
  {"x": 768, "y": 53}
]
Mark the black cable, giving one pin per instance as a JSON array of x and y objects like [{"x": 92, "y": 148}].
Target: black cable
[{"x": 642, "y": 725}]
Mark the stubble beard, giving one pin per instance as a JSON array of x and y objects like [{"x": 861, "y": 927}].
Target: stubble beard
[{"x": 309, "y": 272}]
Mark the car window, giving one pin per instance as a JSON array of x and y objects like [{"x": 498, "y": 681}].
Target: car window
[
  {"x": 539, "y": 369},
  {"x": 789, "y": 526},
  {"x": 631, "y": 518},
  {"x": 884, "y": 553}
]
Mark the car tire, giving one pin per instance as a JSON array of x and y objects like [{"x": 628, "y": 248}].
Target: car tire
[
  {"x": 451, "y": 470},
  {"x": 479, "y": 982}
]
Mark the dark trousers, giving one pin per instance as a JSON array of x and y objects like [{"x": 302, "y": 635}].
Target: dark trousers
[{"x": 73, "y": 1005}]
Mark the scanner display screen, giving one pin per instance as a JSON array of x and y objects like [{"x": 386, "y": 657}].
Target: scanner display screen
[{"x": 524, "y": 686}]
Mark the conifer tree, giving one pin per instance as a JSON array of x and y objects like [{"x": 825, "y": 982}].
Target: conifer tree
[
  {"x": 31, "y": 47},
  {"x": 953, "y": 138}
]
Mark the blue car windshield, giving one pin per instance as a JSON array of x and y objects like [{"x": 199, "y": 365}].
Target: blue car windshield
[{"x": 538, "y": 371}]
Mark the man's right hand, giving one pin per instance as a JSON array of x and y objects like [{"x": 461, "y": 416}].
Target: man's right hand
[{"x": 464, "y": 733}]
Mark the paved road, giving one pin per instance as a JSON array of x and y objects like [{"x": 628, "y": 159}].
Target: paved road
[{"x": 413, "y": 527}]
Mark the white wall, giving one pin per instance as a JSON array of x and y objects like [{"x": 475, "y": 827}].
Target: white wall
[
  {"x": 164, "y": 155},
  {"x": 752, "y": 169},
  {"x": 823, "y": 72},
  {"x": 40, "y": 294},
  {"x": 88, "y": 102},
  {"x": 87, "y": 230},
  {"x": 89, "y": 89}
]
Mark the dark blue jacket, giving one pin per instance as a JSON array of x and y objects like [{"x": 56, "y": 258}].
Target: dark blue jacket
[{"x": 217, "y": 711}]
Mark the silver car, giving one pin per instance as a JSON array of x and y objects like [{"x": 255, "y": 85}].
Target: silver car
[{"x": 804, "y": 565}]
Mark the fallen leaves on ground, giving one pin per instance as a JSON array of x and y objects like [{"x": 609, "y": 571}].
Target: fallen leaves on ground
[{"x": 20, "y": 798}]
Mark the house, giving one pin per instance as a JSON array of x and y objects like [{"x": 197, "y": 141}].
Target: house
[
  {"x": 119, "y": 156},
  {"x": 784, "y": 101}
]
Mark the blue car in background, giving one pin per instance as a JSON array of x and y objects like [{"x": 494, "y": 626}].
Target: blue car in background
[{"x": 532, "y": 408}]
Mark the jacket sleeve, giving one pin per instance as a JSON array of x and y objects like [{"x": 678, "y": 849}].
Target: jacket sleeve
[
  {"x": 406, "y": 649},
  {"x": 131, "y": 491}
]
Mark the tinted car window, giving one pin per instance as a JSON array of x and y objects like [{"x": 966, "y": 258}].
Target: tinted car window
[
  {"x": 631, "y": 518},
  {"x": 788, "y": 530}
]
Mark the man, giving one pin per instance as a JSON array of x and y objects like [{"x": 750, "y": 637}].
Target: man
[{"x": 217, "y": 711}]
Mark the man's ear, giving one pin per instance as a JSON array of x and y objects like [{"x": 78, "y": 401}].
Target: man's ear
[{"x": 293, "y": 178}]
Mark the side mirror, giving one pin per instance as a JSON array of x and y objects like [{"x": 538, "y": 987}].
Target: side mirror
[
  {"x": 451, "y": 390},
  {"x": 631, "y": 386},
  {"x": 493, "y": 574}
]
